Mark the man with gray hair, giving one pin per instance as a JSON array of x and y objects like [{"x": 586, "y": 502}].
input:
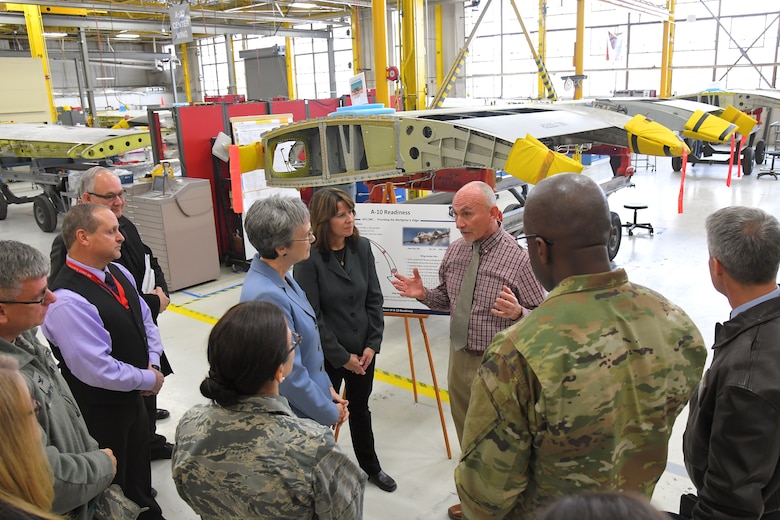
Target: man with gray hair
[
  {"x": 81, "y": 470},
  {"x": 731, "y": 445},
  {"x": 99, "y": 185}
]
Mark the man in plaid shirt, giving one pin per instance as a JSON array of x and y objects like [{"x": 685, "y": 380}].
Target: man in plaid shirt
[{"x": 505, "y": 290}]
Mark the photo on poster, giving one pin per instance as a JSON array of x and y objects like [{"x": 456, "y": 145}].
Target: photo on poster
[
  {"x": 431, "y": 237},
  {"x": 405, "y": 237}
]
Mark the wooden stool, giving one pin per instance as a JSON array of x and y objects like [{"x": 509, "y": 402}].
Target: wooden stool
[{"x": 633, "y": 225}]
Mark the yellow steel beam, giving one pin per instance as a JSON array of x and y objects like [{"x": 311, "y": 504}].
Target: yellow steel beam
[
  {"x": 579, "y": 48},
  {"x": 185, "y": 67},
  {"x": 449, "y": 80},
  {"x": 413, "y": 54},
  {"x": 379, "y": 26},
  {"x": 357, "y": 44},
  {"x": 439, "y": 47},
  {"x": 32, "y": 16},
  {"x": 667, "y": 49},
  {"x": 541, "y": 87},
  {"x": 70, "y": 11},
  {"x": 544, "y": 77},
  {"x": 289, "y": 62}
]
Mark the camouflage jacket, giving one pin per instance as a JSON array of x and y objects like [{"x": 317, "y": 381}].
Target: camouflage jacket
[
  {"x": 257, "y": 460},
  {"x": 581, "y": 395}
]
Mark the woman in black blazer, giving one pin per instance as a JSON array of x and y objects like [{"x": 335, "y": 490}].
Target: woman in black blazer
[{"x": 341, "y": 283}]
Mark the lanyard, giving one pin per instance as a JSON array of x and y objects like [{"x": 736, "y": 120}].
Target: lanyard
[{"x": 121, "y": 298}]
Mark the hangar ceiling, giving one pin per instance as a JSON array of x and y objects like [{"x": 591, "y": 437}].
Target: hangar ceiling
[{"x": 149, "y": 19}]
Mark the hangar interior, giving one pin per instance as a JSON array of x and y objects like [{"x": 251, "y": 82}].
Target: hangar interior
[{"x": 103, "y": 63}]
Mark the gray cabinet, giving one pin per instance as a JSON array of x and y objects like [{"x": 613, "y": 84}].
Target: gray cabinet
[{"x": 177, "y": 223}]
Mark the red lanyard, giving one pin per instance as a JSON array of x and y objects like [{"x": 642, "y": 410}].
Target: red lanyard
[{"x": 121, "y": 298}]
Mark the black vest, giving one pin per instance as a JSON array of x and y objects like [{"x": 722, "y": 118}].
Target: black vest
[{"x": 126, "y": 327}]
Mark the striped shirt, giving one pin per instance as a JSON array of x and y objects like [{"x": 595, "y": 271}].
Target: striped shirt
[{"x": 502, "y": 262}]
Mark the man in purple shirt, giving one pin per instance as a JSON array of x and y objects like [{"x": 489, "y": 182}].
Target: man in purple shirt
[
  {"x": 109, "y": 348},
  {"x": 505, "y": 290}
]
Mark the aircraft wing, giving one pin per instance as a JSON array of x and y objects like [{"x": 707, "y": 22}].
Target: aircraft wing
[
  {"x": 73, "y": 142},
  {"x": 691, "y": 118},
  {"x": 745, "y": 100},
  {"x": 349, "y": 148}
]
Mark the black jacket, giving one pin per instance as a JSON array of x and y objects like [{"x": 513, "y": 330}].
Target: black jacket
[
  {"x": 348, "y": 301},
  {"x": 732, "y": 440}
]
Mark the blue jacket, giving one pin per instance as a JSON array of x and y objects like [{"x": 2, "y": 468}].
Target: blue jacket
[{"x": 307, "y": 388}]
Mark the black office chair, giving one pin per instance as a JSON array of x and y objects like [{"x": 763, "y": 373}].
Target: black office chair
[{"x": 631, "y": 226}]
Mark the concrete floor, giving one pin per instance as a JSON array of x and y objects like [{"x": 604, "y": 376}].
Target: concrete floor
[{"x": 409, "y": 436}]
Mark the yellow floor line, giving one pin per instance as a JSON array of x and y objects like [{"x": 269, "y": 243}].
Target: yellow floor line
[
  {"x": 380, "y": 375},
  {"x": 406, "y": 383},
  {"x": 205, "y": 318}
]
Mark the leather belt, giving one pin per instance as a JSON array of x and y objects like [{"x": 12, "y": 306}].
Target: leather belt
[{"x": 473, "y": 352}]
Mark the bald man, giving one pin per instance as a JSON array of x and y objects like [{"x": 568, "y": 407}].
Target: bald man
[{"x": 582, "y": 394}]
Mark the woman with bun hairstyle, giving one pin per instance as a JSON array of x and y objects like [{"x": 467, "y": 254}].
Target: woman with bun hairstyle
[{"x": 246, "y": 454}]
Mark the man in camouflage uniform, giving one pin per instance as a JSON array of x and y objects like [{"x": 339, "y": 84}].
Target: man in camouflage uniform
[{"x": 581, "y": 395}]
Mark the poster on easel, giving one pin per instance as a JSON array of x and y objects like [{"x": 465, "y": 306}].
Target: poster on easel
[{"x": 405, "y": 236}]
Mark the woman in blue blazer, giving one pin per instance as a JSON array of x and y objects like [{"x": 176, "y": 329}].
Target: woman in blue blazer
[
  {"x": 341, "y": 283},
  {"x": 280, "y": 230}
]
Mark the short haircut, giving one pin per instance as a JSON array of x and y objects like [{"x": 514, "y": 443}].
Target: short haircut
[
  {"x": 87, "y": 179},
  {"x": 746, "y": 241},
  {"x": 271, "y": 223},
  {"x": 324, "y": 205},
  {"x": 245, "y": 349},
  {"x": 20, "y": 262},
  {"x": 81, "y": 216}
]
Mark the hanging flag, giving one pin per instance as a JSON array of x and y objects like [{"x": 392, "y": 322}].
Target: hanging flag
[{"x": 614, "y": 46}]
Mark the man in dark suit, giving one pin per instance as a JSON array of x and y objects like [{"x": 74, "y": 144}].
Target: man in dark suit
[{"x": 101, "y": 186}]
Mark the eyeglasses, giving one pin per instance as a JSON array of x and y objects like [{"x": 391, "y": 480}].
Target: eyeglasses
[
  {"x": 309, "y": 237},
  {"x": 42, "y": 301},
  {"x": 534, "y": 235},
  {"x": 296, "y": 340},
  {"x": 36, "y": 407},
  {"x": 110, "y": 197}
]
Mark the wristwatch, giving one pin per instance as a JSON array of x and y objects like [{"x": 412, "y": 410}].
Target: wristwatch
[{"x": 156, "y": 367}]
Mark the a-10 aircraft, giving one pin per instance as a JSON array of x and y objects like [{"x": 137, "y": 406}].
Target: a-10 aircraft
[{"x": 351, "y": 148}]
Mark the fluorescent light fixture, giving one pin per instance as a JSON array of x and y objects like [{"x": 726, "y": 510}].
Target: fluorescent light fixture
[
  {"x": 54, "y": 34},
  {"x": 127, "y": 36},
  {"x": 106, "y": 78},
  {"x": 304, "y": 5},
  {"x": 641, "y": 6}
]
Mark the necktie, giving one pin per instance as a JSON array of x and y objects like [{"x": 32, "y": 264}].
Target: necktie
[
  {"x": 460, "y": 318},
  {"x": 111, "y": 282}
]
